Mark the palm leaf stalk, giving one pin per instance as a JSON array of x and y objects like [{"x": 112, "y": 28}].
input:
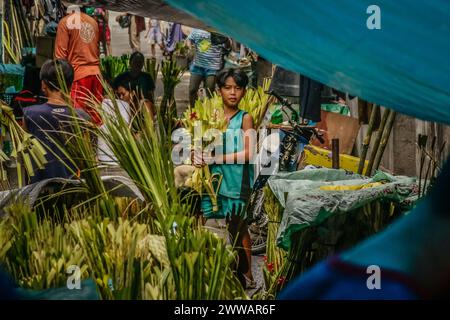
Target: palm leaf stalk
[
  {"x": 144, "y": 158},
  {"x": 17, "y": 33},
  {"x": 377, "y": 142},
  {"x": 368, "y": 137},
  {"x": 201, "y": 262},
  {"x": 436, "y": 159},
  {"x": 8, "y": 44},
  {"x": 111, "y": 66},
  {"x": 77, "y": 144},
  {"x": 256, "y": 102},
  {"x": 171, "y": 77},
  {"x": 27, "y": 150},
  {"x": 433, "y": 163},
  {"x": 432, "y": 152},
  {"x": 384, "y": 139},
  {"x": 205, "y": 123},
  {"x": 38, "y": 253},
  {"x": 421, "y": 143},
  {"x": 152, "y": 67},
  {"x": 275, "y": 256}
]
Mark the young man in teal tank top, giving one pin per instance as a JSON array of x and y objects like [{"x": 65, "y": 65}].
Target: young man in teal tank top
[{"x": 233, "y": 164}]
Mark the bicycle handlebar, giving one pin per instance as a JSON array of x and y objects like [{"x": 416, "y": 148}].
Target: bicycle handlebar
[{"x": 299, "y": 129}]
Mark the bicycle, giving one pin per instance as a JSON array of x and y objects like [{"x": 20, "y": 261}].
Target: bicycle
[{"x": 295, "y": 134}]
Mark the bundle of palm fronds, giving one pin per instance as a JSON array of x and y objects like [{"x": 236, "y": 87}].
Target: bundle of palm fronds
[
  {"x": 315, "y": 243},
  {"x": 171, "y": 77},
  {"x": 256, "y": 102},
  {"x": 112, "y": 66},
  {"x": 128, "y": 259},
  {"x": 17, "y": 34},
  {"x": 152, "y": 67},
  {"x": 37, "y": 253},
  {"x": 154, "y": 250},
  {"x": 275, "y": 256},
  {"x": 27, "y": 151},
  {"x": 144, "y": 157},
  {"x": 205, "y": 123}
]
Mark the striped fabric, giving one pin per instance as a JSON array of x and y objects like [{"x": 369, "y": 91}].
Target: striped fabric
[{"x": 207, "y": 56}]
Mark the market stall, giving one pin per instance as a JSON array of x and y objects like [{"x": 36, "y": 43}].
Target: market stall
[{"x": 315, "y": 213}]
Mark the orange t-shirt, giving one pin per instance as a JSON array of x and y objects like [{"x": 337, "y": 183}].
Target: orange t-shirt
[{"x": 77, "y": 40}]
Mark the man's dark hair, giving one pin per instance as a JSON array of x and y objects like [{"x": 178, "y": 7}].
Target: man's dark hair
[
  {"x": 239, "y": 76},
  {"x": 49, "y": 74},
  {"x": 137, "y": 54}
]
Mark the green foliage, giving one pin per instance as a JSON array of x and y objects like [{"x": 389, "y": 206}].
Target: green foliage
[
  {"x": 315, "y": 243},
  {"x": 150, "y": 250},
  {"x": 111, "y": 66}
]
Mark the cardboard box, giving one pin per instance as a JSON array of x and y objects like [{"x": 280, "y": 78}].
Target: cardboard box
[{"x": 335, "y": 125}]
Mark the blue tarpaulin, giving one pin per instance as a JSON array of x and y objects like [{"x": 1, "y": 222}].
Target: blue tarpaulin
[{"x": 405, "y": 65}]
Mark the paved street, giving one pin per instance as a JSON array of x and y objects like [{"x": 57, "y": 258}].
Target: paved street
[{"x": 120, "y": 45}]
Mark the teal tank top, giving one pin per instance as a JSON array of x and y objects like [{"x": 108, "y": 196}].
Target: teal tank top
[{"x": 237, "y": 179}]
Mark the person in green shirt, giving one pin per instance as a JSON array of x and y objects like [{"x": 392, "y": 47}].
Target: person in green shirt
[{"x": 234, "y": 165}]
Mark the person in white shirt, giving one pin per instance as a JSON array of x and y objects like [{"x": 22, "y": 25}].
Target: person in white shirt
[{"x": 154, "y": 36}]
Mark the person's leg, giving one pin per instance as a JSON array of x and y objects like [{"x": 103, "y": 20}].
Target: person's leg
[
  {"x": 97, "y": 89},
  {"x": 130, "y": 35},
  {"x": 138, "y": 41},
  {"x": 85, "y": 92},
  {"x": 134, "y": 36},
  {"x": 240, "y": 238},
  {"x": 247, "y": 246},
  {"x": 74, "y": 93},
  {"x": 159, "y": 40},
  {"x": 194, "y": 84},
  {"x": 152, "y": 49},
  {"x": 210, "y": 85}
]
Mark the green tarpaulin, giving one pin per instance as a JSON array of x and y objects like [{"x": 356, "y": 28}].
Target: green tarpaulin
[{"x": 306, "y": 204}]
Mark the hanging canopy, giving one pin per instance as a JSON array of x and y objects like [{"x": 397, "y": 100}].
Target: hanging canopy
[
  {"x": 157, "y": 9},
  {"x": 404, "y": 65}
]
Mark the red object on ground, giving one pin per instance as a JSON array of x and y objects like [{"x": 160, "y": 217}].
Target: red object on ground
[{"x": 85, "y": 89}]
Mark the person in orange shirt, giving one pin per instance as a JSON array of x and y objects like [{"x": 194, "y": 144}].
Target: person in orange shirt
[{"x": 77, "y": 41}]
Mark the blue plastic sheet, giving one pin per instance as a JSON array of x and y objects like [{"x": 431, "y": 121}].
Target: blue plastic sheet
[{"x": 405, "y": 65}]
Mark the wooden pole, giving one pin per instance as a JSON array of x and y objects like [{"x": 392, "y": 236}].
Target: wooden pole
[
  {"x": 384, "y": 139},
  {"x": 366, "y": 142},
  {"x": 377, "y": 141},
  {"x": 1, "y": 31},
  {"x": 335, "y": 153},
  {"x": 422, "y": 143},
  {"x": 430, "y": 160}
]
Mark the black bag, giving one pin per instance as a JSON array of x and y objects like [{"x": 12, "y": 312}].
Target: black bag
[
  {"x": 125, "y": 21},
  {"x": 217, "y": 38}
]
